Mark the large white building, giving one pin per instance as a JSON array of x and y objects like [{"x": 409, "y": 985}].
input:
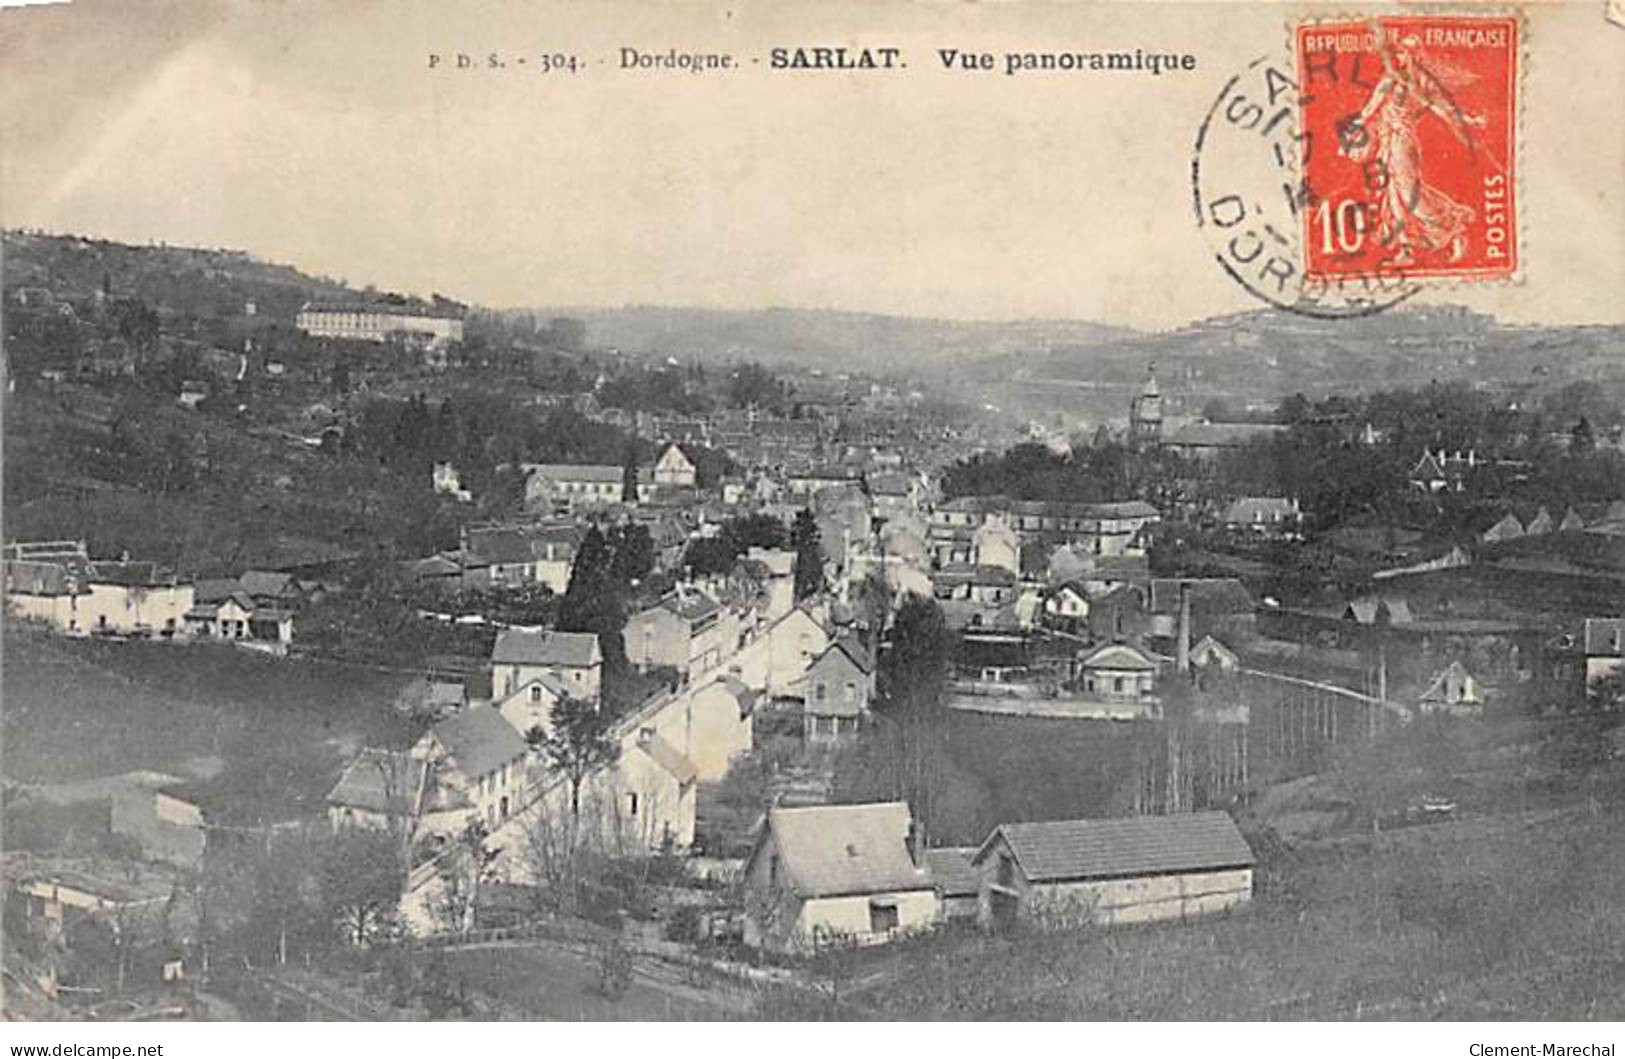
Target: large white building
[
  {"x": 440, "y": 323},
  {"x": 58, "y": 584},
  {"x": 550, "y": 486}
]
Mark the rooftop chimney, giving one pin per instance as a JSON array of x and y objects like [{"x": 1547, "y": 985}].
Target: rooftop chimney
[{"x": 1182, "y": 657}]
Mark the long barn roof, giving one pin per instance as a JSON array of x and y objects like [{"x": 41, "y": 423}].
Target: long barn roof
[{"x": 1059, "y": 850}]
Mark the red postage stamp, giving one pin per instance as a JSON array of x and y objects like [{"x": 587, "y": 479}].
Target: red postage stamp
[{"x": 1409, "y": 133}]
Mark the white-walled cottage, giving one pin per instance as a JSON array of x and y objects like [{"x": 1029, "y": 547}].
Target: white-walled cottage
[
  {"x": 520, "y": 656},
  {"x": 836, "y": 874}
]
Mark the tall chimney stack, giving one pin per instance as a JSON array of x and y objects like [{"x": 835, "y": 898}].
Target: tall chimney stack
[
  {"x": 915, "y": 841},
  {"x": 1182, "y": 656}
]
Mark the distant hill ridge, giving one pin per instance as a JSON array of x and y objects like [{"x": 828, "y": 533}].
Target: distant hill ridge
[
  {"x": 824, "y": 338},
  {"x": 200, "y": 280},
  {"x": 1261, "y": 351}
]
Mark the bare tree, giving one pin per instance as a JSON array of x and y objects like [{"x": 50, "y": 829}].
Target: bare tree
[
  {"x": 557, "y": 848},
  {"x": 548, "y": 855},
  {"x": 577, "y": 744}
]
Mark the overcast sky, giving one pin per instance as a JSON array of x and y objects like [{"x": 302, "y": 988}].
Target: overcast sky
[{"x": 317, "y": 136}]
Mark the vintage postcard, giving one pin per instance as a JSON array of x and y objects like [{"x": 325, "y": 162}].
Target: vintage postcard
[{"x": 785, "y": 511}]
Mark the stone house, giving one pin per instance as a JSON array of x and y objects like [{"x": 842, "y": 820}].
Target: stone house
[
  {"x": 568, "y": 486},
  {"x": 1067, "y": 606},
  {"x": 775, "y": 660},
  {"x": 674, "y": 468},
  {"x": 520, "y": 656},
  {"x": 226, "y": 610},
  {"x": 1110, "y": 872},
  {"x": 836, "y": 874},
  {"x": 1118, "y": 672},
  {"x": 687, "y": 630},
  {"x": 531, "y": 704},
  {"x": 390, "y": 790},
  {"x": 840, "y": 683},
  {"x": 995, "y": 544},
  {"x": 517, "y": 557},
  {"x": 478, "y": 765},
  {"x": 56, "y": 582},
  {"x": 655, "y": 792}
]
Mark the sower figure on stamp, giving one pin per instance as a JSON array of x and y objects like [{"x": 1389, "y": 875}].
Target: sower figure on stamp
[{"x": 1412, "y": 215}]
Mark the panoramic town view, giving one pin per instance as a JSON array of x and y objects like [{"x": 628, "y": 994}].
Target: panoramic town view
[
  {"x": 372, "y": 657},
  {"x": 466, "y": 564}
]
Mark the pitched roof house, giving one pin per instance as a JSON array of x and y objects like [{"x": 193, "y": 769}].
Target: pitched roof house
[
  {"x": 655, "y": 791},
  {"x": 836, "y": 872},
  {"x": 271, "y": 588},
  {"x": 1220, "y": 606},
  {"x": 531, "y": 704},
  {"x": 1508, "y": 528},
  {"x": 1428, "y": 474},
  {"x": 380, "y": 788},
  {"x": 687, "y": 630},
  {"x": 840, "y": 682},
  {"x": 515, "y": 556},
  {"x": 776, "y": 660},
  {"x": 674, "y": 468},
  {"x": 478, "y": 760},
  {"x": 1118, "y": 672},
  {"x": 1208, "y": 440},
  {"x": 56, "y": 583},
  {"x": 1069, "y": 602},
  {"x": 224, "y": 609},
  {"x": 1541, "y": 524},
  {"x": 521, "y": 655},
  {"x": 1211, "y": 652}
]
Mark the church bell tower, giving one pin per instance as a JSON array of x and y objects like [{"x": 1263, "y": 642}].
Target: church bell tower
[{"x": 1145, "y": 412}]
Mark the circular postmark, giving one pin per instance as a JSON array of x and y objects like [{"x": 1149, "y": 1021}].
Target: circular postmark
[{"x": 1251, "y": 199}]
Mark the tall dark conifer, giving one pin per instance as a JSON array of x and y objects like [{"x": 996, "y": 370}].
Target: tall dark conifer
[
  {"x": 809, "y": 571},
  {"x": 629, "y": 475},
  {"x": 913, "y": 681}
]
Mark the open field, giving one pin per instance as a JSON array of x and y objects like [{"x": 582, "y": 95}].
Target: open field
[
  {"x": 1033, "y": 768},
  {"x": 546, "y": 982},
  {"x": 75, "y": 709}
]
